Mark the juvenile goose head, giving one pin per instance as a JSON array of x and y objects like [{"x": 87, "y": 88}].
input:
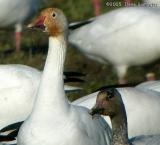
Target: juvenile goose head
[
  {"x": 51, "y": 21},
  {"x": 108, "y": 103}
]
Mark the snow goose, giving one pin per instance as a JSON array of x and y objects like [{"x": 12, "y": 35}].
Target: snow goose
[
  {"x": 150, "y": 87},
  {"x": 53, "y": 116},
  {"x": 137, "y": 103},
  {"x": 123, "y": 37},
  {"x": 129, "y": 96},
  {"x": 152, "y": 3},
  {"x": 109, "y": 103},
  {"x": 20, "y": 84},
  {"x": 14, "y": 13}
]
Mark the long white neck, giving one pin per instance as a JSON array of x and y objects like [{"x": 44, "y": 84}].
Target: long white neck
[{"x": 51, "y": 96}]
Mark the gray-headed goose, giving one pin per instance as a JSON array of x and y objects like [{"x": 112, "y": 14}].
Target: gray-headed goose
[
  {"x": 109, "y": 103},
  {"x": 54, "y": 121}
]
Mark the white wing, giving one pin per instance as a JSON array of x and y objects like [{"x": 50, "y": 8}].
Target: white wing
[{"x": 141, "y": 113}]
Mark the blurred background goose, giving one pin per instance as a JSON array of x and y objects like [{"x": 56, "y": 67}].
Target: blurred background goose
[
  {"x": 19, "y": 87},
  {"x": 15, "y": 13},
  {"x": 152, "y": 3},
  {"x": 109, "y": 103},
  {"x": 67, "y": 119},
  {"x": 151, "y": 85},
  {"x": 123, "y": 37}
]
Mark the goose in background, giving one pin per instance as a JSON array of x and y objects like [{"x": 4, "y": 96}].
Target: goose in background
[
  {"x": 152, "y": 87},
  {"x": 19, "y": 87},
  {"x": 152, "y": 3},
  {"x": 53, "y": 116},
  {"x": 14, "y": 13},
  {"x": 123, "y": 37},
  {"x": 109, "y": 103},
  {"x": 138, "y": 101}
]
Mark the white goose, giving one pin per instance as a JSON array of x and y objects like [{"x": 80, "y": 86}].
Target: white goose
[
  {"x": 15, "y": 12},
  {"x": 137, "y": 102},
  {"x": 152, "y": 3},
  {"x": 53, "y": 117},
  {"x": 17, "y": 92},
  {"x": 123, "y": 37},
  {"x": 20, "y": 84},
  {"x": 152, "y": 87},
  {"x": 109, "y": 103}
]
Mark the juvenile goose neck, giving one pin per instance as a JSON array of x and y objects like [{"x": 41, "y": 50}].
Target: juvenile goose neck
[
  {"x": 120, "y": 129},
  {"x": 51, "y": 96}
]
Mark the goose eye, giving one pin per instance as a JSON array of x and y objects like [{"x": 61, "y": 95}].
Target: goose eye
[
  {"x": 110, "y": 94},
  {"x": 54, "y": 15}
]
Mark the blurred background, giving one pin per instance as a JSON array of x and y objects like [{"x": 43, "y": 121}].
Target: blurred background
[{"x": 34, "y": 49}]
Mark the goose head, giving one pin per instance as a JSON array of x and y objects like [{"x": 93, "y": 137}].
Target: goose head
[
  {"x": 108, "y": 103},
  {"x": 51, "y": 21}
]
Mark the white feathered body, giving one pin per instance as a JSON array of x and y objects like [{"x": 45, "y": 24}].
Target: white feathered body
[
  {"x": 150, "y": 87},
  {"x": 66, "y": 130},
  {"x": 18, "y": 87},
  {"x": 141, "y": 109},
  {"x": 152, "y": 3},
  {"x": 16, "y": 11},
  {"x": 123, "y": 37},
  {"x": 146, "y": 140}
]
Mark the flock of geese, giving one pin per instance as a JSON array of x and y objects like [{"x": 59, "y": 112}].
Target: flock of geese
[{"x": 34, "y": 104}]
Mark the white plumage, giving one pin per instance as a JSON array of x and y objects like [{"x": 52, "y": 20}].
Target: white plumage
[
  {"x": 146, "y": 140},
  {"x": 151, "y": 3},
  {"x": 109, "y": 103},
  {"x": 150, "y": 87},
  {"x": 140, "y": 106},
  {"x": 123, "y": 37},
  {"x": 15, "y": 12},
  {"x": 18, "y": 87},
  {"x": 54, "y": 121}
]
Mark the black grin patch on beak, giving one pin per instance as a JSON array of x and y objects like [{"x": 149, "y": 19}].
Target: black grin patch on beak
[
  {"x": 94, "y": 111},
  {"x": 42, "y": 27}
]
